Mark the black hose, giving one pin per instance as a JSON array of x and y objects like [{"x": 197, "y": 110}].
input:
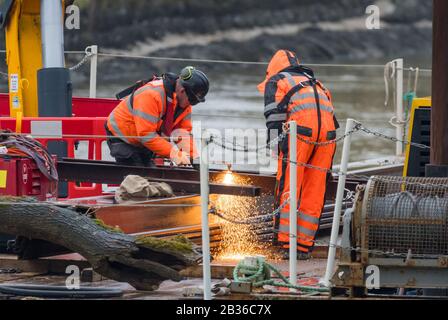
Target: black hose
[{"x": 59, "y": 292}]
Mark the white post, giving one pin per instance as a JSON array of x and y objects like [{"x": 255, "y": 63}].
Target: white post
[
  {"x": 399, "y": 64},
  {"x": 293, "y": 203},
  {"x": 205, "y": 224},
  {"x": 338, "y": 207},
  {"x": 93, "y": 70}
]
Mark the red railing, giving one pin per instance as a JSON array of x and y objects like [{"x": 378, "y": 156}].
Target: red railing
[
  {"x": 82, "y": 107},
  {"x": 74, "y": 130}
]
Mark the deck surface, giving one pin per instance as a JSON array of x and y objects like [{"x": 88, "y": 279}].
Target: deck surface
[{"x": 309, "y": 272}]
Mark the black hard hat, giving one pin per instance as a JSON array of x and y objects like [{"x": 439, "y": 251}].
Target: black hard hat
[{"x": 195, "y": 83}]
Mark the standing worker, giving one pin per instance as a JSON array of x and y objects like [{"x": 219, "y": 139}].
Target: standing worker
[
  {"x": 142, "y": 124},
  {"x": 293, "y": 94}
]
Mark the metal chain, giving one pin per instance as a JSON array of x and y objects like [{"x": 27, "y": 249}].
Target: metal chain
[
  {"x": 235, "y": 147},
  {"x": 85, "y": 59},
  {"x": 253, "y": 220},
  {"x": 393, "y": 139},
  {"x": 368, "y": 178},
  {"x": 357, "y": 128}
]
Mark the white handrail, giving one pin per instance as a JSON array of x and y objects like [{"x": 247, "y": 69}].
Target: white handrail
[
  {"x": 338, "y": 207},
  {"x": 293, "y": 204},
  {"x": 399, "y": 103},
  {"x": 93, "y": 70},
  {"x": 205, "y": 191}
]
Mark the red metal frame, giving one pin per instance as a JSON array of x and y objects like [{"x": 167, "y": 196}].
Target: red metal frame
[
  {"x": 82, "y": 107},
  {"x": 92, "y": 127},
  {"x": 24, "y": 179}
]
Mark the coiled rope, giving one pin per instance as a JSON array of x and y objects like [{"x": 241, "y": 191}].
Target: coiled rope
[{"x": 259, "y": 276}]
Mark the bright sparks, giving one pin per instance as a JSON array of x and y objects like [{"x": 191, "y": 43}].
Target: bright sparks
[{"x": 238, "y": 240}]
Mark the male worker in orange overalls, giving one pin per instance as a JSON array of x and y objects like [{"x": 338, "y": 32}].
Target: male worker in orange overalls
[
  {"x": 293, "y": 94},
  {"x": 141, "y": 125}
]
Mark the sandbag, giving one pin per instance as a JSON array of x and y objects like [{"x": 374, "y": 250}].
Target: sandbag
[{"x": 136, "y": 188}]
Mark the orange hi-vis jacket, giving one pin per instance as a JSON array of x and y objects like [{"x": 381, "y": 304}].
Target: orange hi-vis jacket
[
  {"x": 309, "y": 105},
  {"x": 141, "y": 123}
]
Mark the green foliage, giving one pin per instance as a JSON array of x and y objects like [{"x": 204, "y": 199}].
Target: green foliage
[
  {"x": 101, "y": 223},
  {"x": 177, "y": 244}
]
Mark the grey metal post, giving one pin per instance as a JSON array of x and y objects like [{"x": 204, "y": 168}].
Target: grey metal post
[
  {"x": 52, "y": 29},
  {"x": 293, "y": 203},
  {"x": 205, "y": 190},
  {"x": 53, "y": 80}
]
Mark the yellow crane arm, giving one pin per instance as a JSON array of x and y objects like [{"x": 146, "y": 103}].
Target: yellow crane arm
[{"x": 22, "y": 24}]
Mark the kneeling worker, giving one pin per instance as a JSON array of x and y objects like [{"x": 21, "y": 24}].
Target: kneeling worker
[{"x": 141, "y": 125}]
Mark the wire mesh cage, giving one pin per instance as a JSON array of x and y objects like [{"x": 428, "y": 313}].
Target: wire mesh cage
[{"x": 406, "y": 216}]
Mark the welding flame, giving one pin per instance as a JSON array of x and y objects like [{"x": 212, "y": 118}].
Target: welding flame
[{"x": 229, "y": 178}]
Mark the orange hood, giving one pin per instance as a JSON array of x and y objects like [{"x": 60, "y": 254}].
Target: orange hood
[{"x": 281, "y": 60}]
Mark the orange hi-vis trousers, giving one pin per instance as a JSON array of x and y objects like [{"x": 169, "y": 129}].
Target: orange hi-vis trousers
[{"x": 311, "y": 188}]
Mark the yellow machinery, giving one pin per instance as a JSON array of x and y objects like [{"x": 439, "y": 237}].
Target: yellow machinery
[
  {"x": 24, "y": 57},
  {"x": 419, "y": 132}
]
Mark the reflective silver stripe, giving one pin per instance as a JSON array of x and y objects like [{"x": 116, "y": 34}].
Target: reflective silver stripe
[
  {"x": 116, "y": 128},
  {"x": 302, "y": 230},
  {"x": 128, "y": 104},
  {"x": 270, "y": 107},
  {"x": 149, "y": 137},
  {"x": 162, "y": 93},
  {"x": 311, "y": 95},
  {"x": 290, "y": 79},
  {"x": 277, "y": 117},
  {"x": 146, "y": 116},
  {"x": 308, "y": 218},
  {"x": 308, "y": 106},
  {"x": 187, "y": 117},
  {"x": 306, "y": 231},
  {"x": 159, "y": 90},
  {"x": 284, "y": 216},
  {"x": 302, "y": 217},
  {"x": 292, "y": 83}
]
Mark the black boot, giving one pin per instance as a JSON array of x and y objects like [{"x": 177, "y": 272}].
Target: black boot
[{"x": 301, "y": 256}]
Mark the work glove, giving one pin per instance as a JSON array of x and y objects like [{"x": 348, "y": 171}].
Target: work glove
[{"x": 180, "y": 158}]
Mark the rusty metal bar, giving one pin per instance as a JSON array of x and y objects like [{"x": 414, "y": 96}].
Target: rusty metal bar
[{"x": 181, "y": 180}]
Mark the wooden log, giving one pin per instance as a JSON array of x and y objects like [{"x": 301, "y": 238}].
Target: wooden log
[{"x": 143, "y": 264}]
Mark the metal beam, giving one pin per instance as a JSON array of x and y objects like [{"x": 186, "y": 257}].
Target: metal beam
[
  {"x": 181, "y": 180},
  {"x": 89, "y": 171},
  {"x": 110, "y": 173}
]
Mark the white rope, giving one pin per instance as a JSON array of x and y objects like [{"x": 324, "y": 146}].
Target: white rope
[{"x": 264, "y": 63}]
